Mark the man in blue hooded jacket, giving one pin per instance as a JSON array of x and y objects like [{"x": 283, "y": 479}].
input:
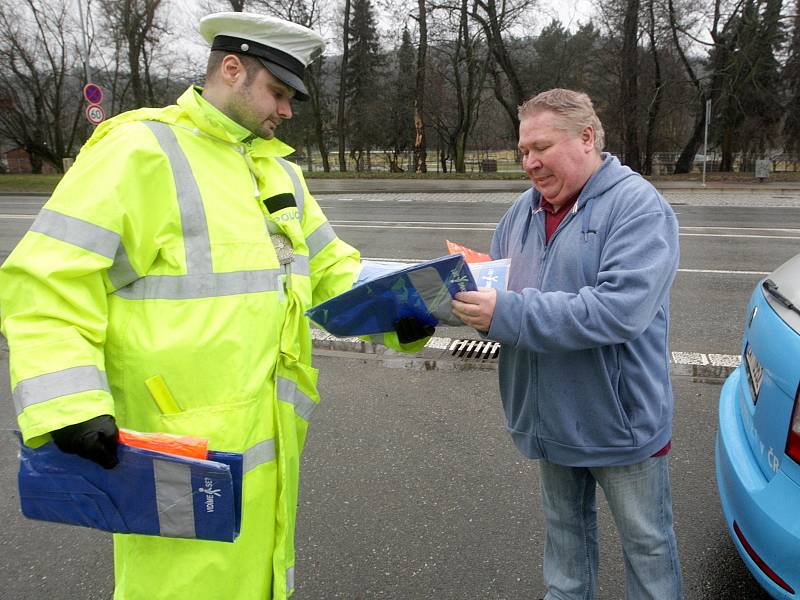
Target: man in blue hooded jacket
[{"x": 584, "y": 365}]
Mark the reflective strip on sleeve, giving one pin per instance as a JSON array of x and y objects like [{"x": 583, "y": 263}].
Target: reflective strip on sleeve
[
  {"x": 289, "y": 579},
  {"x": 60, "y": 383},
  {"x": 288, "y": 392},
  {"x": 174, "y": 499},
  {"x": 77, "y": 232},
  {"x": 319, "y": 238},
  {"x": 122, "y": 272},
  {"x": 209, "y": 285},
  {"x": 261, "y": 453},
  {"x": 299, "y": 197},
  {"x": 300, "y": 266},
  {"x": 193, "y": 215}
]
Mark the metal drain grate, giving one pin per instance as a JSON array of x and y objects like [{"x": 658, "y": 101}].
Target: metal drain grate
[{"x": 475, "y": 349}]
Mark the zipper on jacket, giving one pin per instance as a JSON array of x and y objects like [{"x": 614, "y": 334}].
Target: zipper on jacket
[{"x": 243, "y": 152}]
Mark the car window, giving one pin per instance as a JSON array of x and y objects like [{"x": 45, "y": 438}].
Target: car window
[{"x": 787, "y": 283}]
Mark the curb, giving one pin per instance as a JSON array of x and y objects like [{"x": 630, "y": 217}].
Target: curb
[{"x": 467, "y": 354}]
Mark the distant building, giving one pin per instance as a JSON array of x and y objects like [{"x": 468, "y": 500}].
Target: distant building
[{"x": 17, "y": 160}]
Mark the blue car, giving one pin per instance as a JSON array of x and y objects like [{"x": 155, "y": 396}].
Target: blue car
[{"x": 758, "y": 441}]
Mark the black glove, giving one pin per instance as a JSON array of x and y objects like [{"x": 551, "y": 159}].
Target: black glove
[
  {"x": 411, "y": 329},
  {"x": 95, "y": 439}
]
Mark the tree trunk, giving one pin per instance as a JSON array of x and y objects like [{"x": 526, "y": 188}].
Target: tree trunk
[
  {"x": 655, "y": 104},
  {"x": 316, "y": 109},
  {"x": 420, "y": 146},
  {"x": 629, "y": 93},
  {"x": 493, "y": 27},
  {"x": 685, "y": 161},
  {"x": 342, "y": 78}
]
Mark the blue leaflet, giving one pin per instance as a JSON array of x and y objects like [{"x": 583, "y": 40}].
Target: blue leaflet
[
  {"x": 373, "y": 306},
  {"x": 150, "y": 493}
]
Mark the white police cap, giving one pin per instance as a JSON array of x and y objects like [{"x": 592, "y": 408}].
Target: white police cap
[{"x": 283, "y": 47}]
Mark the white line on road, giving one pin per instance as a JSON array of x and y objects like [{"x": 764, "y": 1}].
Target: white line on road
[
  {"x": 720, "y": 272},
  {"x": 29, "y": 217},
  {"x": 707, "y": 271},
  {"x": 738, "y": 235},
  {"x": 492, "y": 226},
  {"x": 792, "y": 230}
]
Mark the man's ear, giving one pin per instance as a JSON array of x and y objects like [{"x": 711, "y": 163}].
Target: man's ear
[
  {"x": 231, "y": 69},
  {"x": 587, "y": 137}
]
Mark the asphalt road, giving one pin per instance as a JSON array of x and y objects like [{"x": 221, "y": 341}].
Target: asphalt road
[{"x": 411, "y": 489}]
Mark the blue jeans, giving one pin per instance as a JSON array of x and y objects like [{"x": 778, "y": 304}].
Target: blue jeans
[{"x": 640, "y": 501}]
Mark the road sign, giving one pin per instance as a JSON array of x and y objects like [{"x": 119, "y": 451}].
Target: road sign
[
  {"x": 95, "y": 114},
  {"x": 93, "y": 93}
]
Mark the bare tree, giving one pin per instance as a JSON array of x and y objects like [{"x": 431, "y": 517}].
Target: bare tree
[
  {"x": 40, "y": 80},
  {"x": 654, "y": 106},
  {"x": 420, "y": 148},
  {"x": 629, "y": 85},
  {"x": 308, "y": 14},
  {"x": 709, "y": 86},
  {"x": 138, "y": 24},
  {"x": 341, "y": 116},
  {"x": 495, "y": 21},
  {"x": 464, "y": 68}
]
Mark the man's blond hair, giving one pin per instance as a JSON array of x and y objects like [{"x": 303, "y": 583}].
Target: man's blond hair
[{"x": 574, "y": 110}]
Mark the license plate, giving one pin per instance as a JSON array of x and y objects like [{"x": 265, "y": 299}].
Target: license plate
[{"x": 755, "y": 372}]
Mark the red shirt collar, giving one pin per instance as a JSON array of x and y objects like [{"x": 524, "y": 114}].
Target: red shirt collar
[{"x": 549, "y": 208}]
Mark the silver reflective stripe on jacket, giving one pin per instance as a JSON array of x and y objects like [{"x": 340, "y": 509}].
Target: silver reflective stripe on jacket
[
  {"x": 174, "y": 499},
  {"x": 299, "y": 197},
  {"x": 319, "y": 238},
  {"x": 60, "y": 383},
  {"x": 193, "y": 215},
  {"x": 200, "y": 281},
  {"x": 77, "y": 232},
  {"x": 208, "y": 285},
  {"x": 289, "y": 579},
  {"x": 122, "y": 272},
  {"x": 300, "y": 265},
  {"x": 289, "y": 392},
  {"x": 89, "y": 237},
  {"x": 261, "y": 453}
]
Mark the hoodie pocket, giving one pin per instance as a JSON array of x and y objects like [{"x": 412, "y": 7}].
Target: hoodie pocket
[{"x": 582, "y": 408}]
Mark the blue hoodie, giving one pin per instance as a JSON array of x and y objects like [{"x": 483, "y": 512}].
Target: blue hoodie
[{"x": 584, "y": 365}]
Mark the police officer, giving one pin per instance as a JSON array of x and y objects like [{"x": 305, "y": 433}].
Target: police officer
[{"x": 183, "y": 247}]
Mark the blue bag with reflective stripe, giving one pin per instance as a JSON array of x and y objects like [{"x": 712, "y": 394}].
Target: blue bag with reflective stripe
[
  {"x": 373, "y": 306},
  {"x": 148, "y": 492}
]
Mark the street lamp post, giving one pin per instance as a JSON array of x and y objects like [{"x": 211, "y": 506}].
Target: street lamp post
[{"x": 705, "y": 142}]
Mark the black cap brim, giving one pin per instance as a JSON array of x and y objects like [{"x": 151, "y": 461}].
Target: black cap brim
[{"x": 288, "y": 78}]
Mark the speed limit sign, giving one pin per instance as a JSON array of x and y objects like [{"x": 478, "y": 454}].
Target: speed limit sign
[{"x": 95, "y": 114}]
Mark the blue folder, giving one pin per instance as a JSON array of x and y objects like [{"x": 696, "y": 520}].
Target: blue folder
[
  {"x": 372, "y": 307},
  {"x": 148, "y": 492}
]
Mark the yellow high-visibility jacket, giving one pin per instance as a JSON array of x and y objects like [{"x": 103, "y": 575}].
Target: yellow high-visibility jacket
[{"x": 153, "y": 258}]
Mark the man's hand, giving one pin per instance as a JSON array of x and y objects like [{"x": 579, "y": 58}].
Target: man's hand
[
  {"x": 411, "y": 329},
  {"x": 95, "y": 439},
  {"x": 476, "y": 308}
]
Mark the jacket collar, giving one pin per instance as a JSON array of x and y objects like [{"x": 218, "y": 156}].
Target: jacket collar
[{"x": 214, "y": 123}]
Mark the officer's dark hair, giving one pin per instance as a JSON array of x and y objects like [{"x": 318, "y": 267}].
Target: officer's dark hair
[{"x": 251, "y": 64}]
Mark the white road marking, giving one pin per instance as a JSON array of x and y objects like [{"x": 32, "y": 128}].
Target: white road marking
[
  {"x": 721, "y": 272},
  {"x": 738, "y": 235},
  {"x": 359, "y": 224},
  {"x": 705, "y": 271},
  {"x": 29, "y": 217},
  {"x": 689, "y": 358},
  {"x": 710, "y": 227}
]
